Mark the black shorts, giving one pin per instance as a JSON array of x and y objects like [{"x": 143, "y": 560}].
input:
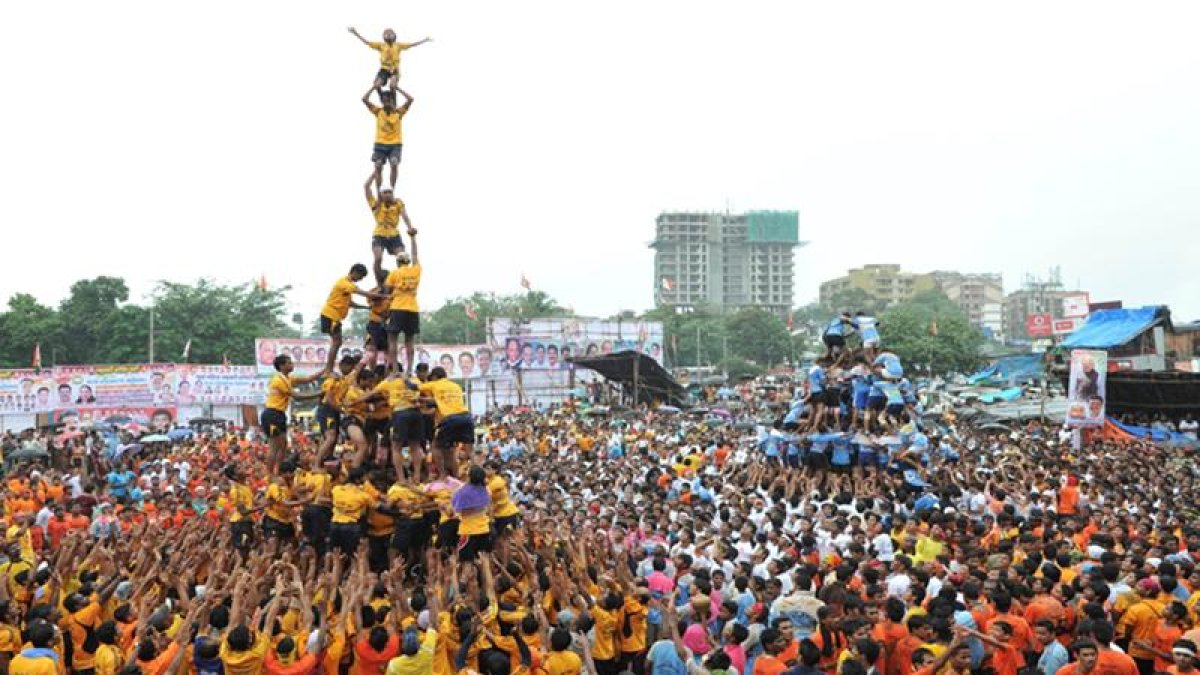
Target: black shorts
[
  {"x": 832, "y": 341},
  {"x": 832, "y": 397},
  {"x": 314, "y": 522},
  {"x": 427, "y": 427},
  {"x": 411, "y": 533},
  {"x": 377, "y": 426},
  {"x": 344, "y": 537},
  {"x": 506, "y": 523},
  {"x": 384, "y": 75},
  {"x": 402, "y": 321},
  {"x": 278, "y": 528},
  {"x": 273, "y": 422},
  {"x": 389, "y": 152},
  {"x": 330, "y": 327},
  {"x": 242, "y": 533},
  {"x": 447, "y": 535},
  {"x": 456, "y": 429},
  {"x": 352, "y": 421},
  {"x": 407, "y": 426},
  {"x": 328, "y": 418},
  {"x": 392, "y": 245},
  {"x": 471, "y": 546},
  {"x": 377, "y": 337}
]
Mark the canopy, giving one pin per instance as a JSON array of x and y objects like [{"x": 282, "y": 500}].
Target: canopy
[
  {"x": 1118, "y": 431},
  {"x": 1014, "y": 369},
  {"x": 651, "y": 381},
  {"x": 1108, "y": 328}
]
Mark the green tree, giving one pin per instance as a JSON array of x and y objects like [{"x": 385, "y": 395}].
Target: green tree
[
  {"x": 220, "y": 320},
  {"x": 89, "y": 309},
  {"x": 26, "y": 323},
  {"x": 758, "y": 336},
  {"x": 908, "y": 330},
  {"x": 852, "y": 299}
]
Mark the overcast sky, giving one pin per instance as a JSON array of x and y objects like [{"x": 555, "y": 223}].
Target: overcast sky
[{"x": 222, "y": 139}]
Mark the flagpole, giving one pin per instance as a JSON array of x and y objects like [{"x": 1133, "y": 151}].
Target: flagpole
[{"x": 151, "y": 333}]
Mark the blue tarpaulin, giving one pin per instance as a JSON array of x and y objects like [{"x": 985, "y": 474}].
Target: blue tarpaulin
[
  {"x": 1157, "y": 435},
  {"x": 1014, "y": 369},
  {"x": 1108, "y": 328}
]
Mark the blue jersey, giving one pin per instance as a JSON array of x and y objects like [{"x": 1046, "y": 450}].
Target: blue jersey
[
  {"x": 866, "y": 326},
  {"x": 816, "y": 380},
  {"x": 838, "y": 326}
]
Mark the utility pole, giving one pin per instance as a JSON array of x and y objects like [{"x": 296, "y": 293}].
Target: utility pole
[{"x": 697, "y": 345}]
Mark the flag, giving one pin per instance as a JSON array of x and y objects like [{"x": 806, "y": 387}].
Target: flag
[
  {"x": 667, "y": 284},
  {"x": 187, "y": 349},
  {"x": 470, "y": 310},
  {"x": 525, "y": 282},
  {"x": 933, "y": 331},
  {"x": 790, "y": 324},
  {"x": 37, "y": 356},
  {"x": 262, "y": 283}
]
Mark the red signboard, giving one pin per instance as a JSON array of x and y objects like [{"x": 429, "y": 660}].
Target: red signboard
[
  {"x": 1039, "y": 325},
  {"x": 1067, "y": 326}
]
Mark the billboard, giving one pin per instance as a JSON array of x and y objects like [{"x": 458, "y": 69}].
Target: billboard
[
  {"x": 218, "y": 385},
  {"x": 1075, "y": 306},
  {"x": 28, "y": 391},
  {"x": 309, "y": 354},
  {"x": 1068, "y": 326},
  {"x": 1039, "y": 325},
  {"x": 1086, "y": 388},
  {"x": 157, "y": 418},
  {"x": 132, "y": 385},
  {"x": 546, "y": 344}
]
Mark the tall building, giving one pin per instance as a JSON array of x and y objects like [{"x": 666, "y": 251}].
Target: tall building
[
  {"x": 726, "y": 261},
  {"x": 979, "y": 296},
  {"x": 1036, "y": 297},
  {"x": 886, "y": 284}
]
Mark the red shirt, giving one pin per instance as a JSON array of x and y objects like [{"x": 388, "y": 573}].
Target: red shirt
[{"x": 370, "y": 662}]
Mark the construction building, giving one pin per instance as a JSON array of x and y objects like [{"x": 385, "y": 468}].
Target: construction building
[
  {"x": 979, "y": 296},
  {"x": 726, "y": 261}
]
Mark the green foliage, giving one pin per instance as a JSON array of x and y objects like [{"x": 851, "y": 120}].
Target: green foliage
[
  {"x": 95, "y": 323},
  {"x": 736, "y": 367},
  {"x": 852, "y": 299},
  {"x": 758, "y": 336},
  {"x": 906, "y": 330}
]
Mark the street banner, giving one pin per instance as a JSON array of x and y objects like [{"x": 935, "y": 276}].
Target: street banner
[{"x": 1086, "y": 388}]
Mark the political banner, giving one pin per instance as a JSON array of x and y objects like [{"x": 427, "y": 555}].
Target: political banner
[
  {"x": 29, "y": 391},
  {"x": 218, "y": 385},
  {"x": 136, "y": 385},
  {"x": 155, "y": 418},
  {"x": 309, "y": 354},
  {"x": 546, "y": 344},
  {"x": 1086, "y": 388}
]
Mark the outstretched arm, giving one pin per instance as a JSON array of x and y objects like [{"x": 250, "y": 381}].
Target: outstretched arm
[
  {"x": 368, "y": 192},
  {"x": 418, "y": 43},
  {"x": 355, "y": 33},
  {"x": 412, "y": 245},
  {"x": 309, "y": 379}
]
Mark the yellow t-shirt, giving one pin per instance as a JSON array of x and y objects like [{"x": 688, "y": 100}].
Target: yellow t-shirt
[
  {"x": 387, "y": 216},
  {"x": 447, "y": 395},
  {"x": 240, "y": 496},
  {"x": 388, "y": 127},
  {"x": 563, "y": 663},
  {"x": 352, "y": 402},
  {"x": 377, "y": 309},
  {"x": 502, "y": 506},
  {"x": 404, "y": 282},
  {"x": 249, "y": 662},
  {"x": 77, "y": 626},
  {"x": 406, "y": 500},
  {"x": 389, "y": 54},
  {"x": 316, "y": 482},
  {"x": 279, "y": 392},
  {"x": 378, "y": 524},
  {"x": 276, "y": 495},
  {"x": 350, "y": 502},
  {"x": 474, "y": 523},
  {"x": 333, "y": 390},
  {"x": 21, "y": 665},
  {"x": 109, "y": 660},
  {"x": 337, "y": 305},
  {"x": 402, "y": 393},
  {"x": 607, "y": 646}
]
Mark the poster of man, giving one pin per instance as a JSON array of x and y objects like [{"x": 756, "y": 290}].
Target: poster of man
[{"x": 1086, "y": 395}]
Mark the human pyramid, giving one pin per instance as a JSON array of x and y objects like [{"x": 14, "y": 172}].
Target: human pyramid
[{"x": 382, "y": 409}]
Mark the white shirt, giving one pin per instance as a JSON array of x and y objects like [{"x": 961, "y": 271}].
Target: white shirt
[
  {"x": 898, "y": 585},
  {"x": 884, "y": 548}
]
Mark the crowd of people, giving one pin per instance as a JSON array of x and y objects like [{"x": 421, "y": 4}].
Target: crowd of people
[{"x": 854, "y": 534}]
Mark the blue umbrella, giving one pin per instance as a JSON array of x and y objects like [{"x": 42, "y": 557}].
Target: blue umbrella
[{"x": 179, "y": 434}]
